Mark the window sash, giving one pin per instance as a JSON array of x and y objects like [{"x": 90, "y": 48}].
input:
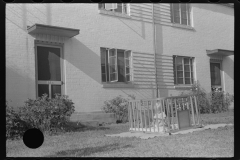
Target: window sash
[
  {"x": 115, "y": 6},
  {"x": 183, "y": 72},
  {"x": 177, "y": 8},
  {"x": 127, "y": 57},
  {"x": 114, "y": 66}
]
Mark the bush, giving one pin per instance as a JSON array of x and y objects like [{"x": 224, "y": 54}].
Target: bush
[
  {"x": 15, "y": 127},
  {"x": 213, "y": 102},
  {"x": 202, "y": 97},
  {"x": 118, "y": 106},
  {"x": 48, "y": 115}
]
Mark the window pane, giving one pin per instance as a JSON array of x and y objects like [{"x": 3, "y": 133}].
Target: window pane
[
  {"x": 112, "y": 69},
  {"x": 186, "y": 60},
  {"x": 121, "y": 68},
  {"x": 179, "y": 63},
  {"x": 179, "y": 67},
  {"x": 187, "y": 74},
  {"x": 48, "y": 60},
  {"x": 184, "y": 7},
  {"x": 103, "y": 55},
  {"x": 176, "y": 19},
  {"x": 187, "y": 81},
  {"x": 103, "y": 77},
  {"x": 56, "y": 89},
  {"x": 112, "y": 52},
  {"x": 186, "y": 68},
  {"x": 103, "y": 69},
  {"x": 180, "y": 80},
  {"x": 179, "y": 74},
  {"x": 191, "y": 74},
  {"x": 175, "y": 6},
  {"x": 184, "y": 15},
  {"x": 125, "y": 8},
  {"x": 43, "y": 88},
  {"x": 112, "y": 60},
  {"x": 176, "y": 13},
  {"x": 127, "y": 78},
  {"x": 113, "y": 77},
  {"x": 127, "y": 70},
  {"x": 184, "y": 21},
  {"x": 119, "y": 8},
  {"x": 192, "y": 81},
  {"x": 127, "y": 62}
]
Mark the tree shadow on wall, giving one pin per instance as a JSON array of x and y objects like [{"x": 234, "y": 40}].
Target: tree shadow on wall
[{"x": 79, "y": 152}]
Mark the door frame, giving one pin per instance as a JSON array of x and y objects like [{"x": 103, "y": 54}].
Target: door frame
[
  {"x": 62, "y": 65},
  {"x": 221, "y": 73}
]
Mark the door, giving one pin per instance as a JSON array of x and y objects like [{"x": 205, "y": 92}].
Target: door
[
  {"x": 215, "y": 69},
  {"x": 49, "y": 71}
]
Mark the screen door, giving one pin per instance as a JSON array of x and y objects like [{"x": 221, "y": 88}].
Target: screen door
[{"x": 49, "y": 71}]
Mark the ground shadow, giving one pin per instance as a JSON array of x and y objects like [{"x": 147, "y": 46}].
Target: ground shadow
[{"x": 88, "y": 150}]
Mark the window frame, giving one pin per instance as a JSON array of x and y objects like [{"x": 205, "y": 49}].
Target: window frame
[
  {"x": 191, "y": 70},
  {"x": 107, "y": 65},
  {"x": 220, "y": 74},
  {"x": 188, "y": 14},
  {"x": 127, "y": 12}
]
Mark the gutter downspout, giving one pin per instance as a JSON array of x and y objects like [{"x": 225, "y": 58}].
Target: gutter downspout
[{"x": 154, "y": 47}]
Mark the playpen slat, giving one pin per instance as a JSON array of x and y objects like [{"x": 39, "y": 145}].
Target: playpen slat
[
  {"x": 152, "y": 116},
  {"x": 171, "y": 106},
  {"x": 196, "y": 109},
  {"x": 129, "y": 112},
  {"x": 192, "y": 111},
  {"x": 137, "y": 116},
  {"x": 141, "y": 116},
  {"x": 157, "y": 116},
  {"x": 145, "y": 119},
  {"x": 163, "y": 109},
  {"x": 168, "y": 115},
  {"x": 176, "y": 111},
  {"x": 148, "y": 116}
]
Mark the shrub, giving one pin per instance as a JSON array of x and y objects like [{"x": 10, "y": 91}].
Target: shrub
[
  {"x": 202, "y": 97},
  {"x": 47, "y": 114},
  {"x": 118, "y": 106},
  {"x": 15, "y": 127},
  {"x": 213, "y": 102}
]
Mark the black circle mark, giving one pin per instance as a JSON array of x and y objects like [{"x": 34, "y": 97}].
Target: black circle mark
[{"x": 33, "y": 138}]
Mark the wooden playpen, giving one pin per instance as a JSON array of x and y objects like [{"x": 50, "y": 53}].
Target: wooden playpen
[{"x": 164, "y": 115}]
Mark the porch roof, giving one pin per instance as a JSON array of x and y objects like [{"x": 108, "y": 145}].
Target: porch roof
[
  {"x": 220, "y": 52},
  {"x": 52, "y": 30}
]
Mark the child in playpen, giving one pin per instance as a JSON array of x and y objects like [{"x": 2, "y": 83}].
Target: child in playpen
[{"x": 159, "y": 118}]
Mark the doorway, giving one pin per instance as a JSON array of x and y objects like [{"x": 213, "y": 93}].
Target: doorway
[
  {"x": 216, "y": 82},
  {"x": 49, "y": 67}
]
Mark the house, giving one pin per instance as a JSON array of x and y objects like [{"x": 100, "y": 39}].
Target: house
[{"x": 95, "y": 52}]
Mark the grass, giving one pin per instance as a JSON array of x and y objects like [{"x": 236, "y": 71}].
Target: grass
[{"x": 91, "y": 142}]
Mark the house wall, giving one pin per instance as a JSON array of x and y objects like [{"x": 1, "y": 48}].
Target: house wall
[
  {"x": 82, "y": 52},
  {"x": 214, "y": 32}
]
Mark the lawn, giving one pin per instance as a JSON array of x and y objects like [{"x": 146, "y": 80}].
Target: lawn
[{"x": 91, "y": 142}]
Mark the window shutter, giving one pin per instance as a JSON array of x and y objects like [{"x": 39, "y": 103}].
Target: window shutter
[
  {"x": 127, "y": 58},
  {"x": 112, "y": 60},
  {"x": 109, "y": 6}
]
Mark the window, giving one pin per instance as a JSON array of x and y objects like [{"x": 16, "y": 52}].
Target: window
[
  {"x": 183, "y": 70},
  {"x": 181, "y": 13},
  {"x": 118, "y": 7},
  {"x": 115, "y": 65}
]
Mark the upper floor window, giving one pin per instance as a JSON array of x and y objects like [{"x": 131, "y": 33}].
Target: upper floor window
[
  {"x": 115, "y": 7},
  {"x": 115, "y": 65},
  {"x": 181, "y": 13},
  {"x": 183, "y": 70}
]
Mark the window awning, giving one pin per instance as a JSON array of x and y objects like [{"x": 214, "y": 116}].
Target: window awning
[
  {"x": 219, "y": 52},
  {"x": 52, "y": 30}
]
